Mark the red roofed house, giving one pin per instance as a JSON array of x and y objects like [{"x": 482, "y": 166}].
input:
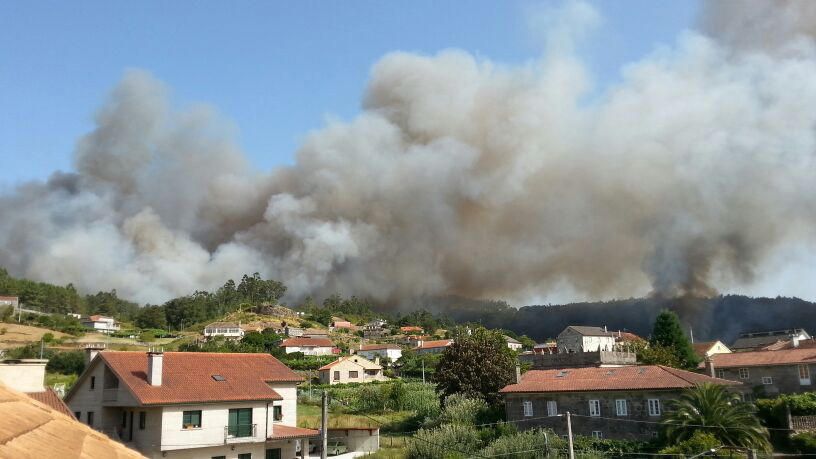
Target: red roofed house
[
  {"x": 600, "y": 400},
  {"x": 308, "y": 346},
  {"x": 101, "y": 324},
  {"x": 432, "y": 347},
  {"x": 784, "y": 371},
  {"x": 412, "y": 330},
  {"x": 192, "y": 404},
  {"x": 342, "y": 324},
  {"x": 12, "y": 301}
]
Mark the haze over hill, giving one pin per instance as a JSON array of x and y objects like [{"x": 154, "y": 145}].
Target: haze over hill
[{"x": 461, "y": 177}]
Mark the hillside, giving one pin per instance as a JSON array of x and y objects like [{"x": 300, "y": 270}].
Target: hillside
[{"x": 15, "y": 335}]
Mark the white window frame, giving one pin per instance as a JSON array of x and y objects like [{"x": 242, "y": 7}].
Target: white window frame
[
  {"x": 744, "y": 373},
  {"x": 595, "y": 408},
  {"x": 767, "y": 380},
  {"x": 552, "y": 408},
  {"x": 597, "y": 434},
  {"x": 804, "y": 374},
  {"x": 620, "y": 407},
  {"x": 527, "y": 407},
  {"x": 654, "y": 406}
]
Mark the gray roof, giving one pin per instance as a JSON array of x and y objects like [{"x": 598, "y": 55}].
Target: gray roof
[
  {"x": 756, "y": 342},
  {"x": 511, "y": 340},
  {"x": 590, "y": 331}
]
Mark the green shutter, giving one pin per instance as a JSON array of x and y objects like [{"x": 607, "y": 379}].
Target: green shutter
[
  {"x": 273, "y": 453},
  {"x": 240, "y": 422}
]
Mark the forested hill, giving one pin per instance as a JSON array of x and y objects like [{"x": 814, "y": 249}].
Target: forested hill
[{"x": 722, "y": 317}]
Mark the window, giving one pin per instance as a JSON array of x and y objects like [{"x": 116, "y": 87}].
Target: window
[
  {"x": 245, "y": 456},
  {"x": 90, "y": 418},
  {"x": 93, "y": 382},
  {"x": 337, "y": 376},
  {"x": 620, "y": 407},
  {"x": 654, "y": 407},
  {"x": 743, "y": 373},
  {"x": 594, "y": 408},
  {"x": 142, "y": 420},
  {"x": 352, "y": 374},
  {"x": 767, "y": 380},
  {"x": 191, "y": 419},
  {"x": 721, "y": 374},
  {"x": 804, "y": 374},
  {"x": 78, "y": 415},
  {"x": 273, "y": 453},
  {"x": 528, "y": 408},
  {"x": 552, "y": 408},
  {"x": 240, "y": 422},
  {"x": 277, "y": 412},
  {"x": 597, "y": 434}
]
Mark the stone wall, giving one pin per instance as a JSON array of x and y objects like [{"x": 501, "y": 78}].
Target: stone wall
[
  {"x": 785, "y": 379},
  {"x": 579, "y": 359}
]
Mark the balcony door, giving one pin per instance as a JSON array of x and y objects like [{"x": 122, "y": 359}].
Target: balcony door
[{"x": 240, "y": 422}]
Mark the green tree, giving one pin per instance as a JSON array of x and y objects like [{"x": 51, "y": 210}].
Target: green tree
[
  {"x": 151, "y": 317},
  {"x": 478, "y": 363},
  {"x": 712, "y": 409},
  {"x": 669, "y": 334}
]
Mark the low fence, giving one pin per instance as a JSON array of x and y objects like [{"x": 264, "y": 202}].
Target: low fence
[{"x": 803, "y": 423}]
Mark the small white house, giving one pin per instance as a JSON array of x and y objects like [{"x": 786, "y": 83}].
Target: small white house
[
  {"x": 308, "y": 346},
  {"x": 371, "y": 351},
  {"x": 226, "y": 330},
  {"x": 576, "y": 338},
  {"x": 351, "y": 369},
  {"x": 101, "y": 324},
  {"x": 513, "y": 343}
]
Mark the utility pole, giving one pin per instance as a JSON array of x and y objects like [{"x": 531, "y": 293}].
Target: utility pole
[
  {"x": 423, "y": 370},
  {"x": 42, "y": 344},
  {"x": 324, "y": 425},
  {"x": 569, "y": 434}
]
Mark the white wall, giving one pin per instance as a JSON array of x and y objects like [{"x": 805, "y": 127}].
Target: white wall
[
  {"x": 311, "y": 350},
  {"x": 24, "y": 376},
  {"x": 258, "y": 451},
  {"x": 289, "y": 403},
  {"x": 392, "y": 354}
]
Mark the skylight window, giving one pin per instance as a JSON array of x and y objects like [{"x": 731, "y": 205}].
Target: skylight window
[{"x": 219, "y": 378}]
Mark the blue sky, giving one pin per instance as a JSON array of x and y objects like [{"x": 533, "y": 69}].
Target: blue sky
[{"x": 276, "y": 69}]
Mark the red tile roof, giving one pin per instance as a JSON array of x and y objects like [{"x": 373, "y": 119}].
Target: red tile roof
[
  {"x": 52, "y": 399},
  {"x": 187, "y": 377},
  {"x": 376, "y": 347},
  {"x": 411, "y": 328},
  {"x": 604, "y": 379},
  {"x": 765, "y": 358},
  {"x": 306, "y": 342},
  {"x": 435, "y": 344},
  {"x": 628, "y": 337},
  {"x": 281, "y": 432}
]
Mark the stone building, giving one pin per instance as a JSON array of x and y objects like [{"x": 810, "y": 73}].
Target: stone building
[
  {"x": 766, "y": 373},
  {"x": 577, "y": 338},
  {"x": 603, "y": 402}
]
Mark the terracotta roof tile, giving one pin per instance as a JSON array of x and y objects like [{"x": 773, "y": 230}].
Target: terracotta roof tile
[
  {"x": 376, "y": 347},
  {"x": 306, "y": 342},
  {"x": 435, "y": 344},
  {"x": 52, "y": 399},
  {"x": 30, "y": 429},
  {"x": 187, "y": 377},
  {"x": 281, "y": 432},
  {"x": 604, "y": 379},
  {"x": 765, "y": 358}
]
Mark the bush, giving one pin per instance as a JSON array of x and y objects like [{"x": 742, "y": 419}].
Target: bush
[
  {"x": 462, "y": 410},
  {"x": 447, "y": 441},
  {"x": 72, "y": 362},
  {"x": 48, "y": 337},
  {"x": 700, "y": 441},
  {"x": 528, "y": 444},
  {"x": 147, "y": 336},
  {"x": 804, "y": 443}
]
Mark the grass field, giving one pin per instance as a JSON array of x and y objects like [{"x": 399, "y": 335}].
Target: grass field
[
  {"x": 16, "y": 335},
  {"x": 309, "y": 417}
]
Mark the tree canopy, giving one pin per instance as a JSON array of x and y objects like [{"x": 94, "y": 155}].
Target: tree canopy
[{"x": 669, "y": 334}]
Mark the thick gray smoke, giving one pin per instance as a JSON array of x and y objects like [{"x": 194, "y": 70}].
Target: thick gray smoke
[{"x": 461, "y": 176}]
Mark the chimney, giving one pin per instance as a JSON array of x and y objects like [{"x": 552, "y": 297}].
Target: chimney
[
  {"x": 709, "y": 366},
  {"x": 795, "y": 341},
  {"x": 91, "y": 350},
  {"x": 154, "y": 367},
  {"x": 518, "y": 373},
  {"x": 605, "y": 329}
]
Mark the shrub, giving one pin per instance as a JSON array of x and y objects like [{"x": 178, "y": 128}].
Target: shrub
[
  {"x": 447, "y": 441},
  {"x": 804, "y": 443},
  {"x": 462, "y": 410},
  {"x": 528, "y": 444},
  {"x": 48, "y": 337},
  {"x": 700, "y": 441},
  {"x": 147, "y": 336},
  {"x": 72, "y": 362}
]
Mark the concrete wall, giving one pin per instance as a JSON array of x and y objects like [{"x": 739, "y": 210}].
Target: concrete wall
[
  {"x": 357, "y": 440},
  {"x": 25, "y": 375},
  {"x": 579, "y": 359},
  {"x": 785, "y": 379},
  {"x": 578, "y": 403},
  {"x": 392, "y": 354},
  {"x": 311, "y": 350}
]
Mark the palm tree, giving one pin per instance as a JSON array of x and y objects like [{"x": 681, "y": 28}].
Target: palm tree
[{"x": 713, "y": 409}]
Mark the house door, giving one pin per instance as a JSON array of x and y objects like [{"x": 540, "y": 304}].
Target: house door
[
  {"x": 240, "y": 422},
  {"x": 804, "y": 375}
]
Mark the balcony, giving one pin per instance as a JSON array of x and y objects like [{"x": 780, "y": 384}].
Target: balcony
[
  {"x": 110, "y": 395},
  {"x": 240, "y": 433}
]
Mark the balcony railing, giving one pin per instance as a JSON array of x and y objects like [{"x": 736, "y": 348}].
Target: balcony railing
[
  {"x": 237, "y": 433},
  {"x": 110, "y": 395}
]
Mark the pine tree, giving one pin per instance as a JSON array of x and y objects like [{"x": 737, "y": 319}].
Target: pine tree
[{"x": 668, "y": 333}]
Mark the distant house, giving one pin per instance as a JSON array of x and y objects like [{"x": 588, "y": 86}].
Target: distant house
[
  {"x": 308, "y": 346},
  {"x": 513, "y": 343},
  {"x": 226, "y": 330},
  {"x": 375, "y": 329},
  {"x": 315, "y": 333},
  {"x": 28, "y": 376},
  {"x": 772, "y": 372},
  {"x": 709, "y": 348},
  {"x": 761, "y": 340},
  {"x": 412, "y": 340},
  {"x": 432, "y": 347},
  {"x": 577, "y": 338},
  {"x": 372, "y": 351},
  {"x": 12, "y": 301},
  {"x": 292, "y": 331},
  {"x": 599, "y": 399},
  {"x": 351, "y": 369},
  {"x": 412, "y": 330},
  {"x": 550, "y": 347},
  {"x": 342, "y": 324},
  {"x": 101, "y": 324},
  {"x": 624, "y": 337}
]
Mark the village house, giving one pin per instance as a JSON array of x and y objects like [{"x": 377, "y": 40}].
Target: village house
[
  {"x": 709, "y": 348},
  {"x": 513, "y": 343},
  {"x": 308, "y": 346},
  {"x": 28, "y": 376},
  {"x": 550, "y": 347},
  {"x": 577, "y": 338},
  {"x": 767, "y": 340},
  {"x": 12, "y": 301},
  {"x": 603, "y": 402},
  {"x": 101, "y": 324},
  {"x": 315, "y": 333},
  {"x": 228, "y": 330},
  {"x": 412, "y": 330},
  {"x": 192, "y": 405},
  {"x": 375, "y": 329},
  {"x": 770, "y": 373},
  {"x": 342, "y": 325},
  {"x": 432, "y": 347},
  {"x": 372, "y": 351},
  {"x": 351, "y": 369}
]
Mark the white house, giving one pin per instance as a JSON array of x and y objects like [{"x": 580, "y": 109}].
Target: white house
[
  {"x": 101, "y": 324},
  {"x": 308, "y": 346},
  {"x": 576, "y": 338},
  {"x": 226, "y": 330},
  {"x": 351, "y": 369},
  {"x": 513, "y": 343},
  {"x": 370, "y": 351},
  {"x": 433, "y": 347},
  {"x": 192, "y": 404},
  {"x": 12, "y": 301}
]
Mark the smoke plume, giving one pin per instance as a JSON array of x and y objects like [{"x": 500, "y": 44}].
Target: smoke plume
[{"x": 460, "y": 176}]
